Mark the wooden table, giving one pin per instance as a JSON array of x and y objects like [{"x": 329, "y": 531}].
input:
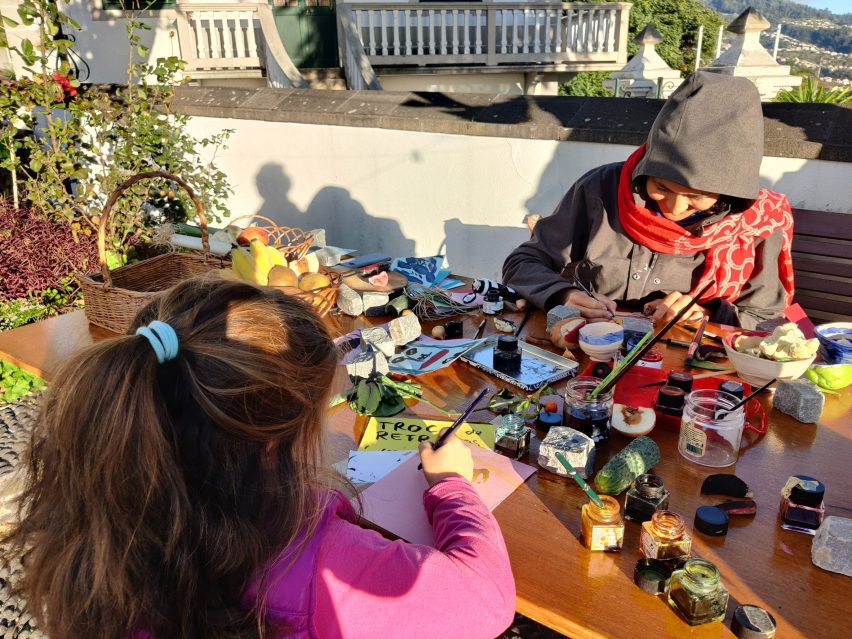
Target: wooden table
[{"x": 586, "y": 594}]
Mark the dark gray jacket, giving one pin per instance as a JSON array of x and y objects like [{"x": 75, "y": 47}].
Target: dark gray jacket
[{"x": 584, "y": 234}]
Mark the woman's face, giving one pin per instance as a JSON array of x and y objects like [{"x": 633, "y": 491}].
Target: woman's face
[{"x": 676, "y": 201}]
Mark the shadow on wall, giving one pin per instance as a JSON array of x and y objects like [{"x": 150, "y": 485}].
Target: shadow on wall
[
  {"x": 346, "y": 222},
  {"x": 478, "y": 250}
]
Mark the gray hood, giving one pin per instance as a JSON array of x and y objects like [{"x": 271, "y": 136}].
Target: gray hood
[{"x": 708, "y": 136}]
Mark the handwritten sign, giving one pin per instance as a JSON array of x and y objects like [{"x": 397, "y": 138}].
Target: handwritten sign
[{"x": 406, "y": 433}]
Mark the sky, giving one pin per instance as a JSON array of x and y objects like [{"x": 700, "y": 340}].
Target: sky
[{"x": 837, "y": 6}]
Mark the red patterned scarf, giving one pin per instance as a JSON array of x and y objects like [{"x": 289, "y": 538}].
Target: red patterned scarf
[{"x": 728, "y": 245}]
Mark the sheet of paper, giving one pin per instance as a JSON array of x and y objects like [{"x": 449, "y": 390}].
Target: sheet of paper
[
  {"x": 420, "y": 357},
  {"x": 406, "y": 433},
  {"x": 395, "y": 502},
  {"x": 369, "y": 466}
]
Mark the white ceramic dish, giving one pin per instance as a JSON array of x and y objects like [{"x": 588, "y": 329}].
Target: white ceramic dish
[
  {"x": 601, "y": 340},
  {"x": 757, "y": 370}
]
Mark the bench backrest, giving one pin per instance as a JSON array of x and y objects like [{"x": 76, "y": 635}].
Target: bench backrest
[{"x": 822, "y": 261}]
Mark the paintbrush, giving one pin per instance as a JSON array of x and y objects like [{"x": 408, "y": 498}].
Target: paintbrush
[
  {"x": 580, "y": 482},
  {"x": 745, "y": 400},
  {"x": 696, "y": 341},
  {"x": 442, "y": 438},
  {"x": 582, "y": 287},
  {"x": 637, "y": 355},
  {"x": 480, "y": 330},
  {"x": 530, "y": 310},
  {"x": 622, "y": 363},
  {"x": 663, "y": 382}
]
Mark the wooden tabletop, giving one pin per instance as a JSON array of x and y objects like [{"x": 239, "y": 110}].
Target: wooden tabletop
[{"x": 591, "y": 594}]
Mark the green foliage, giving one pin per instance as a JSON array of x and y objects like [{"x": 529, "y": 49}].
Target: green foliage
[
  {"x": 21, "y": 311},
  {"x": 775, "y": 10},
  {"x": 811, "y": 91},
  {"x": 15, "y": 383},
  {"x": 588, "y": 83},
  {"x": 88, "y": 140}
]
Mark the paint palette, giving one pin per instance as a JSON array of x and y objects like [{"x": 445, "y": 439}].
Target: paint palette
[{"x": 538, "y": 366}]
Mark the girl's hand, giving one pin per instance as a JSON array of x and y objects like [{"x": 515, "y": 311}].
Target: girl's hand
[
  {"x": 670, "y": 305},
  {"x": 453, "y": 459},
  {"x": 599, "y": 308}
]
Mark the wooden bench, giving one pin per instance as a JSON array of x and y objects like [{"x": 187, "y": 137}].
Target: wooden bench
[{"x": 822, "y": 261}]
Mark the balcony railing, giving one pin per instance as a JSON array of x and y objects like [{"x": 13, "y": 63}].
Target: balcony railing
[{"x": 493, "y": 33}]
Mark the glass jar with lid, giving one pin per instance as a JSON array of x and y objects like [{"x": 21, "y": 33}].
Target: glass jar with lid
[{"x": 696, "y": 592}]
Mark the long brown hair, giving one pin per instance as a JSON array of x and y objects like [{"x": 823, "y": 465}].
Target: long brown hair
[{"x": 155, "y": 492}]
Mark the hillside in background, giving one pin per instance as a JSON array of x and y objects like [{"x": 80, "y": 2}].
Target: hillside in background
[{"x": 776, "y": 10}]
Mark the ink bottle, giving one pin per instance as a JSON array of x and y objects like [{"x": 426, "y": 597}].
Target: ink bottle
[
  {"x": 645, "y": 496},
  {"x": 734, "y": 388},
  {"x": 507, "y": 355},
  {"x": 512, "y": 437},
  {"x": 696, "y": 592},
  {"x": 492, "y": 303},
  {"x": 602, "y": 528},
  {"x": 680, "y": 380},
  {"x": 802, "y": 508},
  {"x": 669, "y": 407},
  {"x": 665, "y": 537},
  {"x": 589, "y": 415}
]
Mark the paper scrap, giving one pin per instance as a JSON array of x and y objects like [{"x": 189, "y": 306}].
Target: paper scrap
[
  {"x": 394, "y": 503},
  {"x": 406, "y": 433},
  {"x": 369, "y": 466}
]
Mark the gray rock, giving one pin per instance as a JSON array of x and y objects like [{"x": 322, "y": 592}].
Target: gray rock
[
  {"x": 368, "y": 363},
  {"x": 577, "y": 448},
  {"x": 327, "y": 257},
  {"x": 319, "y": 237},
  {"x": 799, "y": 398},
  {"x": 374, "y": 302},
  {"x": 559, "y": 313},
  {"x": 832, "y": 547},
  {"x": 404, "y": 329},
  {"x": 349, "y": 301},
  {"x": 379, "y": 340}
]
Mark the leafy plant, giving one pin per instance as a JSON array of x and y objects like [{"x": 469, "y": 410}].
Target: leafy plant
[
  {"x": 19, "y": 312},
  {"x": 587, "y": 83},
  {"x": 15, "y": 383},
  {"x": 382, "y": 396},
  {"x": 810, "y": 90},
  {"x": 505, "y": 401}
]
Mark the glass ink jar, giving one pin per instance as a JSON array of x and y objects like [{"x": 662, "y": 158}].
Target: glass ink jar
[
  {"x": 507, "y": 355},
  {"x": 802, "y": 507},
  {"x": 669, "y": 407},
  {"x": 665, "y": 537},
  {"x": 602, "y": 527},
  {"x": 734, "y": 388},
  {"x": 512, "y": 437},
  {"x": 681, "y": 380},
  {"x": 645, "y": 496},
  {"x": 589, "y": 415},
  {"x": 710, "y": 432},
  {"x": 492, "y": 303},
  {"x": 696, "y": 592}
]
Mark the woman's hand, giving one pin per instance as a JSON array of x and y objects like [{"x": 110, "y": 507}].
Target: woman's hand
[
  {"x": 453, "y": 459},
  {"x": 599, "y": 308},
  {"x": 670, "y": 305}
]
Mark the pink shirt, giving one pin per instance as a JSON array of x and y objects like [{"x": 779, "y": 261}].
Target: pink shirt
[{"x": 350, "y": 582}]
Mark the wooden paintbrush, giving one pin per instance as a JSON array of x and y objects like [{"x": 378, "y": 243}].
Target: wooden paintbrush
[
  {"x": 442, "y": 438},
  {"x": 582, "y": 484}
]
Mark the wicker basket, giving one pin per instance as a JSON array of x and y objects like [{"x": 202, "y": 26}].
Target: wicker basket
[
  {"x": 322, "y": 299},
  {"x": 293, "y": 242},
  {"x": 112, "y": 298}
]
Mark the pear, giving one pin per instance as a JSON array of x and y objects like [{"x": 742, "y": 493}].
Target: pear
[
  {"x": 282, "y": 276},
  {"x": 313, "y": 281}
]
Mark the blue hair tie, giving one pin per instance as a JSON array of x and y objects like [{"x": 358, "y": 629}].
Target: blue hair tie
[{"x": 163, "y": 339}]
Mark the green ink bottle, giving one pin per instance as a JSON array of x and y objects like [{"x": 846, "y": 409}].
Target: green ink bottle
[{"x": 696, "y": 592}]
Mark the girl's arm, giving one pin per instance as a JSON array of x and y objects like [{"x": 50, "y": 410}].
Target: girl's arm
[{"x": 368, "y": 586}]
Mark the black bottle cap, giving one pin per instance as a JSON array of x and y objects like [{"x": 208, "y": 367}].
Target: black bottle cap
[
  {"x": 671, "y": 397},
  {"x": 651, "y": 575},
  {"x": 601, "y": 369},
  {"x": 734, "y": 388},
  {"x": 753, "y": 622},
  {"x": 507, "y": 343},
  {"x": 807, "y": 491},
  {"x": 680, "y": 380},
  {"x": 711, "y": 521},
  {"x": 453, "y": 328}
]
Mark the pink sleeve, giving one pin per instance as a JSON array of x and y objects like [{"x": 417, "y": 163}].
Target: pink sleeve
[{"x": 368, "y": 586}]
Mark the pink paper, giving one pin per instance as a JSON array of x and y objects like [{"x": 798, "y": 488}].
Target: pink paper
[
  {"x": 395, "y": 502},
  {"x": 797, "y": 315}
]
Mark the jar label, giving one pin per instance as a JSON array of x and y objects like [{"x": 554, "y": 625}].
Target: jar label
[
  {"x": 692, "y": 440},
  {"x": 606, "y": 537},
  {"x": 649, "y": 545}
]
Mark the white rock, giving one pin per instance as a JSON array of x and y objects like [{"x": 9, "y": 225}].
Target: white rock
[
  {"x": 327, "y": 257},
  {"x": 577, "y": 448},
  {"x": 832, "y": 547},
  {"x": 374, "y": 302},
  {"x": 559, "y": 313},
  {"x": 404, "y": 329},
  {"x": 368, "y": 363},
  {"x": 378, "y": 338},
  {"x": 349, "y": 301}
]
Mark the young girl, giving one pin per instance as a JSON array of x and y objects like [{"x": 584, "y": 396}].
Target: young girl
[{"x": 177, "y": 488}]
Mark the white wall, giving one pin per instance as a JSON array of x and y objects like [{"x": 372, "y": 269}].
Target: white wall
[
  {"x": 408, "y": 193},
  {"x": 502, "y": 83}
]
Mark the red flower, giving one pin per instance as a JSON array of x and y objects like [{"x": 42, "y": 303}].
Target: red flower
[{"x": 68, "y": 91}]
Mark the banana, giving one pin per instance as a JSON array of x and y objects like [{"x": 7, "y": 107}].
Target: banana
[
  {"x": 243, "y": 264},
  {"x": 276, "y": 257},
  {"x": 262, "y": 263}
]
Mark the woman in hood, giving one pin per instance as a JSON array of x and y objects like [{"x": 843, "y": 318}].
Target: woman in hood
[{"x": 685, "y": 209}]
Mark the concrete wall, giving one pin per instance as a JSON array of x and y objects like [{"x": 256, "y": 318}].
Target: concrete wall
[{"x": 427, "y": 193}]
